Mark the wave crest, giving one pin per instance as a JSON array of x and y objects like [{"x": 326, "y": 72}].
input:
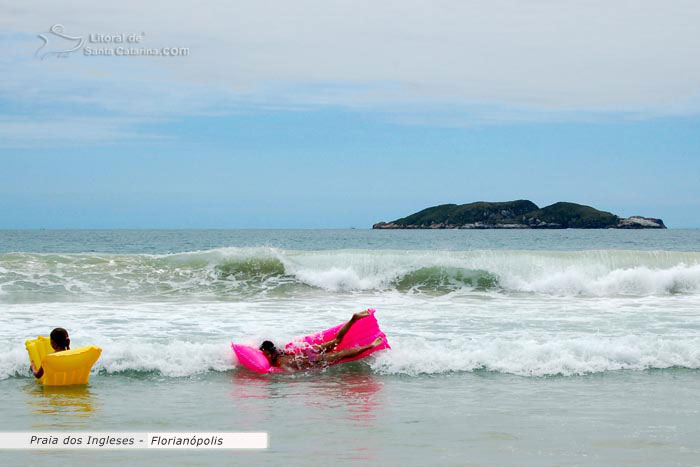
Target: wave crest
[
  {"x": 244, "y": 272},
  {"x": 413, "y": 356},
  {"x": 532, "y": 357}
]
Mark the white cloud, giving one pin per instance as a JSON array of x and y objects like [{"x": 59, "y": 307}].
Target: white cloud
[{"x": 497, "y": 60}]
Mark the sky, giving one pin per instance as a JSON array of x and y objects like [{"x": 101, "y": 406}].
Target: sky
[{"x": 336, "y": 114}]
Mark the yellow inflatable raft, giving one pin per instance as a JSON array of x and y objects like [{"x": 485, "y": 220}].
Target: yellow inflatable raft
[{"x": 62, "y": 368}]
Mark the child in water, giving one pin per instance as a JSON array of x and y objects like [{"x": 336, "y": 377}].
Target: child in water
[
  {"x": 319, "y": 355},
  {"x": 60, "y": 342}
]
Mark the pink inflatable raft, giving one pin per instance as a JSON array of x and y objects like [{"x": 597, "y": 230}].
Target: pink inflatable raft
[{"x": 363, "y": 332}]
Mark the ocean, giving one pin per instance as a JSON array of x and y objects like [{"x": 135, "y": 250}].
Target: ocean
[{"x": 526, "y": 347}]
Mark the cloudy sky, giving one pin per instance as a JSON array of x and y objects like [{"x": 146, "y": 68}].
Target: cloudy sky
[{"x": 339, "y": 113}]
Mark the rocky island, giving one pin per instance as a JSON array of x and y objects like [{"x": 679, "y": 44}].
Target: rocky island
[{"x": 520, "y": 214}]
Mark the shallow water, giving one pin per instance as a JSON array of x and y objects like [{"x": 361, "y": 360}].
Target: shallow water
[
  {"x": 531, "y": 347},
  {"x": 352, "y": 415}
]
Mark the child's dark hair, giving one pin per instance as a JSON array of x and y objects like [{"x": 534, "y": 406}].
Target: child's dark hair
[
  {"x": 268, "y": 346},
  {"x": 60, "y": 337}
]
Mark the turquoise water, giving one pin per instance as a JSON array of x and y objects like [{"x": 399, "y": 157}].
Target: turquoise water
[{"x": 509, "y": 348}]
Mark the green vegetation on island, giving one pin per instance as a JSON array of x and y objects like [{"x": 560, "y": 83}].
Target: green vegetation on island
[{"x": 519, "y": 214}]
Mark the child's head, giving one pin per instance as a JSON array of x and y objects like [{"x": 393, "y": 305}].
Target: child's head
[
  {"x": 269, "y": 350},
  {"x": 60, "y": 340}
]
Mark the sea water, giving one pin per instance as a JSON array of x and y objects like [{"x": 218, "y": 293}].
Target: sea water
[{"x": 508, "y": 347}]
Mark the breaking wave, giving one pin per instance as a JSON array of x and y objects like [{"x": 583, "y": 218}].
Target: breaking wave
[
  {"x": 410, "y": 356},
  {"x": 523, "y": 356},
  {"x": 230, "y": 273}
]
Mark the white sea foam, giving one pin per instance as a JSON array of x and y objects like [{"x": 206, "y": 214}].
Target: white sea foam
[
  {"x": 245, "y": 271},
  {"x": 530, "y": 357},
  {"x": 596, "y": 273},
  {"x": 415, "y": 356},
  {"x": 14, "y": 363},
  {"x": 173, "y": 359},
  {"x": 517, "y": 312}
]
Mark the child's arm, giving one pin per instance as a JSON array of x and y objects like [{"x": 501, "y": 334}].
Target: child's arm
[{"x": 38, "y": 374}]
